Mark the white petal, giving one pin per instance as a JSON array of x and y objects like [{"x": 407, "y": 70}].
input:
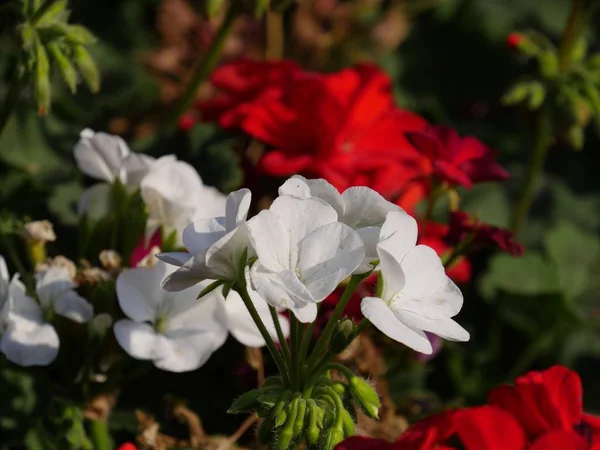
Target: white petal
[
  {"x": 187, "y": 275},
  {"x": 383, "y": 318},
  {"x": 183, "y": 310},
  {"x": 370, "y": 238},
  {"x": 282, "y": 289},
  {"x": 184, "y": 350},
  {"x": 305, "y": 314},
  {"x": 95, "y": 201},
  {"x": 391, "y": 270},
  {"x": 29, "y": 343},
  {"x": 270, "y": 240},
  {"x": 100, "y": 155},
  {"x": 21, "y": 305},
  {"x": 300, "y": 217},
  {"x": 327, "y": 256},
  {"x": 136, "y": 166},
  {"x": 428, "y": 291},
  {"x": 74, "y": 307},
  {"x": 139, "y": 340},
  {"x": 236, "y": 208},
  {"x": 295, "y": 186},
  {"x": 444, "y": 328},
  {"x": 364, "y": 207},
  {"x": 322, "y": 189},
  {"x": 139, "y": 293},
  {"x": 200, "y": 235},
  {"x": 175, "y": 258},
  {"x": 4, "y": 281},
  {"x": 399, "y": 233},
  {"x": 223, "y": 257},
  {"x": 52, "y": 284},
  {"x": 210, "y": 203}
]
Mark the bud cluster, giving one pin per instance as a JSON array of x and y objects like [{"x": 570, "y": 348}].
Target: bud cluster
[{"x": 321, "y": 416}]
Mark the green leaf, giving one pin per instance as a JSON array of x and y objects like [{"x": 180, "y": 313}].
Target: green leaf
[
  {"x": 63, "y": 202},
  {"x": 528, "y": 275},
  {"x": 573, "y": 251},
  {"x": 66, "y": 69},
  {"x": 87, "y": 67}
]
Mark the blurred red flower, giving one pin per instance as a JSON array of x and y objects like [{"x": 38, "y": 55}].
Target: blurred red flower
[
  {"x": 127, "y": 446},
  {"x": 543, "y": 411},
  {"x": 433, "y": 235},
  {"x": 343, "y": 126},
  {"x": 464, "y": 227},
  {"x": 143, "y": 249},
  {"x": 457, "y": 160}
]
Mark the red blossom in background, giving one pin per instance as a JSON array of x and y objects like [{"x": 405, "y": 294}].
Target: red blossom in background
[
  {"x": 513, "y": 40},
  {"x": 142, "y": 249},
  {"x": 127, "y": 446},
  {"x": 457, "y": 160},
  {"x": 543, "y": 411},
  {"x": 463, "y": 227},
  {"x": 343, "y": 126},
  {"x": 432, "y": 235}
]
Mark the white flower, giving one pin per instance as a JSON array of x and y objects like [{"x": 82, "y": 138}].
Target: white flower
[
  {"x": 26, "y": 339},
  {"x": 304, "y": 253},
  {"x": 359, "y": 207},
  {"x": 176, "y": 331},
  {"x": 107, "y": 157},
  {"x": 215, "y": 246},
  {"x": 175, "y": 196},
  {"x": 417, "y": 295},
  {"x": 55, "y": 290}
]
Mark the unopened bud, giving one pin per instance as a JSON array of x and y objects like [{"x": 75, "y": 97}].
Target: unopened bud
[
  {"x": 41, "y": 80},
  {"x": 342, "y": 336},
  {"x": 92, "y": 276},
  {"x": 65, "y": 67},
  {"x": 150, "y": 260},
  {"x": 288, "y": 432},
  {"x": 58, "y": 261},
  {"x": 87, "y": 67},
  {"x": 78, "y": 34},
  {"x": 365, "y": 396},
  {"x": 312, "y": 430},
  {"x": 347, "y": 423},
  {"x": 332, "y": 438},
  {"x": 299, "y": 425}
]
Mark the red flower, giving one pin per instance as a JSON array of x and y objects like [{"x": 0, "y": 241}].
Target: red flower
[
  {"x": 185, "y": 122},
  {"x": 343, "y": 127},
  {"x": 457, "y": 160},
  {"x": 513, "y": 40},
  {"x": 432, "y": 235},
  {"x": 462, "y": 227},
  {"x": 551, "y": 400},
  {"x": 142, "y": 250},
  {"x": 127, "y": 446}
]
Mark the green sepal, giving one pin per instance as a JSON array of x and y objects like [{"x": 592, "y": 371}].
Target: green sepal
[
  {"x": 211, "y": 287},
  {"x": 87, "y": 67},
  {"x": 249, "y": 400},
  {"x": 65, "y": 67}
]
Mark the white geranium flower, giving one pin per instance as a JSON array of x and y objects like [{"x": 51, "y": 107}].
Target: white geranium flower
[
  {"x": 304, "y": 253},
  {"x": 107, "y": 158},
  {"x": 25, "y": 339},
  {"x": 215, "y": 246},
  {"x": 175, "y": 196},
  {"x": 55, "y": 289},
  {"x": 417, "y": 295},
  {"x": 176, "y": 331},
  {"x": 359, "y": 207}
]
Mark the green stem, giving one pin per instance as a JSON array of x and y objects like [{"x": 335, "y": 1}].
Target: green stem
[
  {"x": 275, "y": 354},
  {"x": 543, "y": 141},
  {"x": 573, "y": 31},
  {"x": 337, "y": 312},
  {"x": 204, "y": 69},
  {"x": 305, "y": 343},
  {"x": 280, "y": 336},
  {"x": 100, "y": 435},
  {"x": 294, "y": 367},
  {"x": 11, "y": 99},
  {"x": 362, "y": 326}
]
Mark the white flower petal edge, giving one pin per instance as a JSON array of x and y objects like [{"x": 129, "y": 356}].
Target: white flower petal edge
[
  {"x": 417, "y": 294},
  {"x": 173, "y": 329},
  {"x": 361, "y": 208},
  {"x": 101, "y": 155},
  {"x": 304, "y": 253},
  {"x": 215, "y": 245},
  {"x": 55, "y": 291}
]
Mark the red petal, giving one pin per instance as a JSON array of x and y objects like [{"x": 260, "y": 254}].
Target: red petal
[
  {"x": 426, "y": 143},
  {"x": 428, "y": 433},
  {"x": 489, "y": 428},
  {"x": 452, "y": 174},
  {"x": 364, "y": 443},
  {"x": 560, "y": 440}
]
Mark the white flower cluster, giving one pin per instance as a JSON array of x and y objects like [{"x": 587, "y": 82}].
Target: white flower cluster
[
  {"x": 172, "y": 190},
  {"x": 309, "y": 241}
]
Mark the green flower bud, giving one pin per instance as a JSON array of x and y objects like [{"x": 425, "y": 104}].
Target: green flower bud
[
  {"x": 537, "y": 94},
  {"x": 65, "y": 67},
  {"x": 42, "y": 79},
  {"x": 87, "y": 67},
  {"x": 78, "y": 34},
  {"x": 347, "y": 423},
  {"x": 574, "y": 136},
  {"x": 365, "y": 396},
  {"x": 56, "y": 12},
  {"x": 343, "y": 335},
  {"x": 333, "y": 437},
  {"x": 288, "y": 433},
  {"x": 313, "y": 431},
  {"x": 281, "y": 418},
  {"x": 299, "y": 425}
]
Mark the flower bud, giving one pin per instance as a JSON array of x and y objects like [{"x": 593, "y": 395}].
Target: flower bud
[
  {"x": 342, "y": 336},
  {"x": 87, "y": 67},
  {"x": 281, "y": 418},
  {"x": 78, "y": 34},
  {"x": 40, "y": 231},
  {"x": 333, "y": 436},
  {"x": 299, "y": 425},
  {"x": 41, "y": 80},
  {"x": 110, "y": 260},
  {"x": 65, "y": 67},
  {"x": 287, "y": 434},
  {"x": 312, "y": 430},
  {"x": 347, "y": 423},
  {"x": 365, "y": 396},
  {"x": 58, "y": 261}
]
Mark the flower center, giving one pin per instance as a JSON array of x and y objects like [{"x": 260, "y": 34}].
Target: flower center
[{"x": 160, "y": 324}]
